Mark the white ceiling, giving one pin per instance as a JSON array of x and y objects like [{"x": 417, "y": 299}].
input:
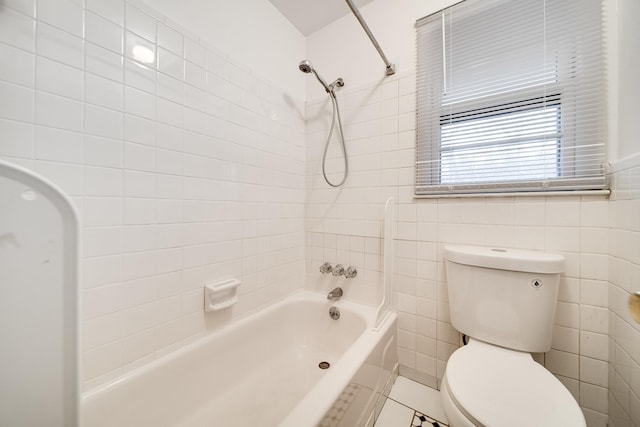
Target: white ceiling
[{"x": 309, "y": 16}]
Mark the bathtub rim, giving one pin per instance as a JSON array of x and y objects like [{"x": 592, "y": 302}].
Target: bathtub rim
[{"x": 367, "y": 312}]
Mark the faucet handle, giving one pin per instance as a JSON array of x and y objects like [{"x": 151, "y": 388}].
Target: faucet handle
[
  {"x": 350, "y": 272},
  {"x": 338, "y": 270},
  {"x": 326, "y": 268}
]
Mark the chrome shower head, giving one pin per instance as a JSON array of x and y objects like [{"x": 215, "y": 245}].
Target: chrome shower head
[{"x": 305, "y": 66}]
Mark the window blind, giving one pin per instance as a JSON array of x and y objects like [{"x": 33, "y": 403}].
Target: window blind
[{"x": 511, "y": 97}]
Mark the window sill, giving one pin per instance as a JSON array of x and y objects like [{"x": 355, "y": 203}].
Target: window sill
[{"x": 516, "y": 194}]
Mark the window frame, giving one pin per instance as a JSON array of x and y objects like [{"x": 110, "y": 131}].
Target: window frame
[{"x": 572, "y": 176}]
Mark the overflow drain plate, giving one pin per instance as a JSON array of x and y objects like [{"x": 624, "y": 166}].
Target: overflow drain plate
[{"x": 324, "y": 365}]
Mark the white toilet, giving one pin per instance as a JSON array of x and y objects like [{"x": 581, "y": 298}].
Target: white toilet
[{"x": 504, "y": 301}]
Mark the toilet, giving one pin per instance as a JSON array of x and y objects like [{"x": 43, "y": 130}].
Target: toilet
[{"x": 504, "y": 301}]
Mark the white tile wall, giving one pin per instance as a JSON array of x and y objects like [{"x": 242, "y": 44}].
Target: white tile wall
[
  {"x": 185, "y": 170},
  {"x": 624, "y": 278},
  {"x": 380, "y": 142}
]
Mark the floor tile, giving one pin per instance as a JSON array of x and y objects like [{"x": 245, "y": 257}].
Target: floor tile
[
  {"x": 394, "y": 414},
  {"x": 419, "y": 397},
  {"x": 421, "y": 420}
]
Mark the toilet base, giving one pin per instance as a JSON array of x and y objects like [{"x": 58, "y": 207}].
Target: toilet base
[{"x": 455, "y": 417}]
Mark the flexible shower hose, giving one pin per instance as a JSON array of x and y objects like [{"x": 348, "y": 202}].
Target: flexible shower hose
[{"x": 336, "y": 112}]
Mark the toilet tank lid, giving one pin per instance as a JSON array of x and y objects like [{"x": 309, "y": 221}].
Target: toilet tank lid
[{"x": 505, "y": 258}]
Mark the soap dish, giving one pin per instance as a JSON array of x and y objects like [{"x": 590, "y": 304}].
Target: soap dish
[{"x": 220, "y": 295}]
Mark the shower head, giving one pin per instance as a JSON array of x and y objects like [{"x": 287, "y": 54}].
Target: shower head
[{"x": 306, "y": 67}]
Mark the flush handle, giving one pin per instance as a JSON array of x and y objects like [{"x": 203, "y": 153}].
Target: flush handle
[{"x": 634, "y": 306}]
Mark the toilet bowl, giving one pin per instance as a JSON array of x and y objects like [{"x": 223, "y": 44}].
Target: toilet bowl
[
  {"x": 486, "y": 385},
  {"x": 504, "y": 300}
]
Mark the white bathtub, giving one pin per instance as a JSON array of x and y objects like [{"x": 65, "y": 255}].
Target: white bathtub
[{"x": 262, "y": 370}]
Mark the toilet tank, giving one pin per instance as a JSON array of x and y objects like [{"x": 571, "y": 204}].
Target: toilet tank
[{"x": 505, "y": 297}]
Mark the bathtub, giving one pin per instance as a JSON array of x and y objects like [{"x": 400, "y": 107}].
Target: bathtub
[{"x": 262, "y": 370}]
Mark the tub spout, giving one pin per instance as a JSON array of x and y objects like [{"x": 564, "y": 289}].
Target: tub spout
[{"x": 335, "y": 294}]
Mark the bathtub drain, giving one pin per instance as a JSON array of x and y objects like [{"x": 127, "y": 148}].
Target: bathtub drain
[{"x": 324, "y": 365}]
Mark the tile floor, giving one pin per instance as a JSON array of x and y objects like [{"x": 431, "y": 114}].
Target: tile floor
[{"x": 411, "y": 404}]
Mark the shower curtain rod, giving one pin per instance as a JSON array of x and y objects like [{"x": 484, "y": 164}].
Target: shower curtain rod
[{"x": 391, "y": 69}]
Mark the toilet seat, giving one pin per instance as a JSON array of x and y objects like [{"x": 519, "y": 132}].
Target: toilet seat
[{"x": 498, "y": 387}]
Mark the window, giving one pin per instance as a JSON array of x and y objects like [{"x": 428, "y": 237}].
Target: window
[{"x": 511, "y": 97}]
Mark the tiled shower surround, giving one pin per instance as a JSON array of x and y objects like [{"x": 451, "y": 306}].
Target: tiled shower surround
[
  {"x": 196, "y": 167},
  {"x": 186, "y": 168}
]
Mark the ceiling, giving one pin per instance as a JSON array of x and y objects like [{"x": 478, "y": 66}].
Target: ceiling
[{"x": 308, "y": 16}]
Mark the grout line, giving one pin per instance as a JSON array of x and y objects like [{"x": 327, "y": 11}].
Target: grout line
[{"x": 415, "y": 410}]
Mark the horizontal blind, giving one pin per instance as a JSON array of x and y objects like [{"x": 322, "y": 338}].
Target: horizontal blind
[{"x": 511, "y": 97}]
